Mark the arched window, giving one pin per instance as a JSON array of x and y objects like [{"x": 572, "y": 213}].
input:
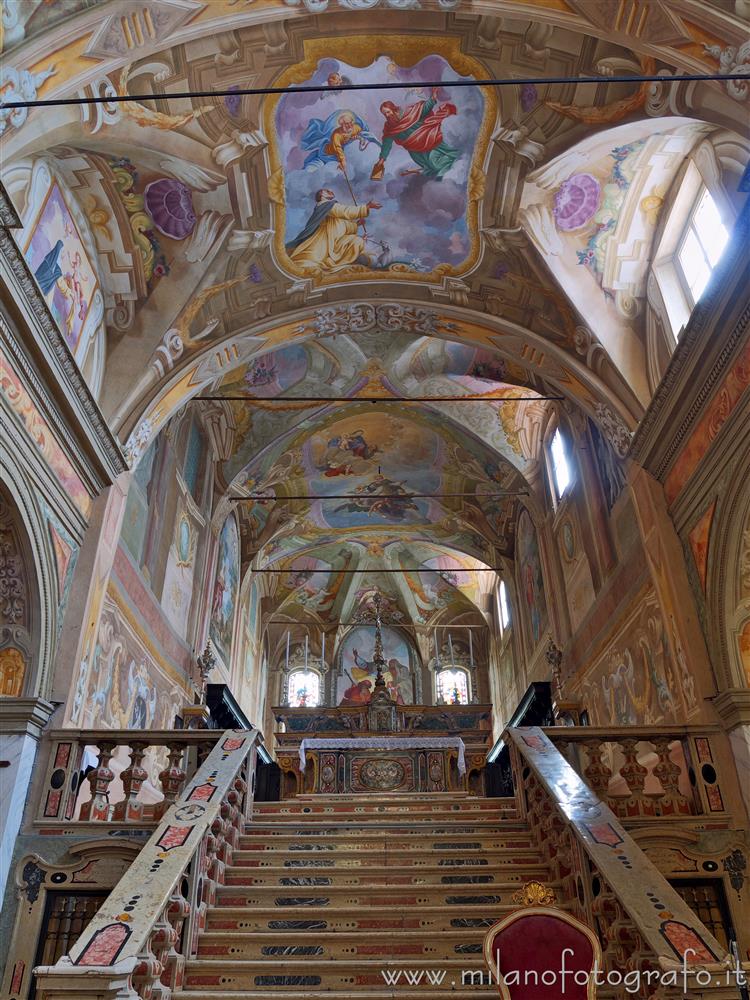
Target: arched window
[
  {"x": 503, "y": 606},
  {"x": 703, "y": 242},
  {"x": 452, "y": 686},
  {"x": 695, "y": 234},
  {"x": 303, "y": 687},
  {"x": 558, "y": 464}
]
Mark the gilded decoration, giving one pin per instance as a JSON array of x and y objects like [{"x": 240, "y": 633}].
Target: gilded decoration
[{"x": 534, "y": 894}]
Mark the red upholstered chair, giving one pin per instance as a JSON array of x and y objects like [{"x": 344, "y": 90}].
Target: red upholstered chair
[{"x": 524, "y": 953}]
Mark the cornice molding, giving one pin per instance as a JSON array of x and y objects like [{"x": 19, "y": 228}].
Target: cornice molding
[
  {"x": 697, "y": 366},
  {"x": 24, "y": 716},
  {"x": 53, "y": 357},
  {"x": 734, "y": 707}
]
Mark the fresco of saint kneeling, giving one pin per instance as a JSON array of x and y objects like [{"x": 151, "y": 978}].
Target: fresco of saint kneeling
[{"x": 330, "y": 239}]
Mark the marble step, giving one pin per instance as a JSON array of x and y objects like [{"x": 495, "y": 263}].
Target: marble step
[
  {"x": 376, "y": 875},
  {"x": 348, "y": 994},
  {"x": 378, "y": 840},
  {"x": 307, "y": 921},
  {"x": 322, "y": 856},
  {"x": 287, "y": 897},
  {"x": 396, "y": 943},
  {"x": 391, "y": 824},
  {"x": 360, "y": 973},
  {"x": 474, "y": 807}
]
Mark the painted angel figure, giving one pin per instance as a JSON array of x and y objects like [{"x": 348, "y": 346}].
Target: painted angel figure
[{"x": 324, "y": 140}]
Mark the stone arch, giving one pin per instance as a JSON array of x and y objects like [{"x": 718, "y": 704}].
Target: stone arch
[{"x": 27, "y": 592}]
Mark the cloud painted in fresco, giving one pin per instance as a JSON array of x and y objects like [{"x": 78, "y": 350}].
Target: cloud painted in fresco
[{"x": 420, "y": 218}]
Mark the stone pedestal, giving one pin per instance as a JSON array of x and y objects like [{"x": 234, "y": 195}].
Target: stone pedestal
[{"x": 21, "y": 723}]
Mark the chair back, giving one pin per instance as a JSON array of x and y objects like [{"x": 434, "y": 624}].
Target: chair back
[{"x": 533, "y": 950}]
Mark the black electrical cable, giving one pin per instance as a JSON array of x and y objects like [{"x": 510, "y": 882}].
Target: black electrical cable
[{"x": 57, "y": 102}]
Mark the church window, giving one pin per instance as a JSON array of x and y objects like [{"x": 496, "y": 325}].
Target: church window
[
  {"x": 559, "y": 466},
  {"x": 304, "y": 689},
  {"x": 452, "y": 685},
  {"x": 704, "y": 241},
  {"x": 503, "y": 604},
  {"x": 694, "y": 237}
]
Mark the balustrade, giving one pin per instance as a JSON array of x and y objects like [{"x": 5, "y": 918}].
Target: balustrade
[
  {"x": 641, "y": 773},
  {"x": 136, "y": 779},
  {"x": 136, "y": 946},
  {"x": 645, "y": 927}
]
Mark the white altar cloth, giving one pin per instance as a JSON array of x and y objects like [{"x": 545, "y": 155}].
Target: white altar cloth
[{"x": 386, "y": 743}]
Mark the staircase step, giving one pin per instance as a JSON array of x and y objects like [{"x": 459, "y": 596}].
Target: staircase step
[
  {"x": 390, "y": 824},
  {"x": 399, "y": 943},
  {"x": 326, "y": 893},
  {"x": 314, "y": 918},
  {"x": 284, "y": 897},
  {"x": 411, "y": 859},
  {"x": 379, "y": 841},
  {"x": 376, "y": 875},
  {"x": 282, "y": 994},
  {"x": 346, "y": 975}
]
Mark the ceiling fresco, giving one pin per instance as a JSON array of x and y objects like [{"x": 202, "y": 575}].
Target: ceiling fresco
[
  {"x": 290, "y": 254},
  {"x": 378, "y": 184}
]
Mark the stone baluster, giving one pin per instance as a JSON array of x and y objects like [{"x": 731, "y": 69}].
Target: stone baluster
[
  {"x": 177, "y": 913},
  {"x": 172, "y": 779},
  {"x": 596, "y": 772},
  {"x": 668, "y": 773},
  {"x": 634, "y": 774},
  {"x": 130, "y": 810},
  {"x": 96, "y": 810},
  {"x": 147, "y": 976}
]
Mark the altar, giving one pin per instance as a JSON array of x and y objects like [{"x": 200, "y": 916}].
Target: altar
[{"x": 343, "y": 750}]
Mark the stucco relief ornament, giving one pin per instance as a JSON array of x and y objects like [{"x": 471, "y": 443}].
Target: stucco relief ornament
[
  {"x": 138, "y": 441},
  {"x": 733, "y": 60},
  {"x": 613, "y": 429},
  {"x": 361, "y": 317},
  {"x": 19, "y": 85}
]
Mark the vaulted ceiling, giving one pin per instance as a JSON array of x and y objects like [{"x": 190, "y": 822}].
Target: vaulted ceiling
[{"x": 504, "y": 251}]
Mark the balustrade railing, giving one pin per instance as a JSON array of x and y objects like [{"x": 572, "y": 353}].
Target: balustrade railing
[
  {"x": 136, "y": 946},
  {"x": 645, "y": 927},
  {"x": 119, "y": 776},
  {"x": 640, "y": 771}
]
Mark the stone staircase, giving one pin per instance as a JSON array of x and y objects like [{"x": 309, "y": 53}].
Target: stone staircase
[{"x": 326, "y": 894}]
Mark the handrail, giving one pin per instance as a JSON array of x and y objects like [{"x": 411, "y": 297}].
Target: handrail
[
  {"x": 611, "y": 734},
  {"x": 130, "y": 945},
  {"x": 557, "y": 803}
]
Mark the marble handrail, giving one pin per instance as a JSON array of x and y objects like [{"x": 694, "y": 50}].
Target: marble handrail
[
  {"x": 642, "y": 921},
  {"x": 130, "y": 948}
]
